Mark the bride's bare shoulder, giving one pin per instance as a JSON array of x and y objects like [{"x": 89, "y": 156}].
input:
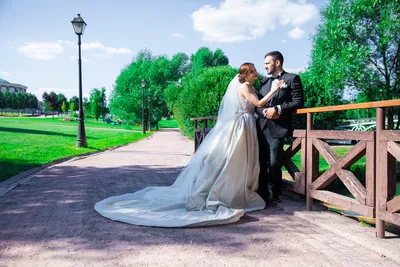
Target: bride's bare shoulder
[{"x": 245, "y": 87}]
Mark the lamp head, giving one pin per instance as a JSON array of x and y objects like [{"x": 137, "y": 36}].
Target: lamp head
[{"x": 79, "y": 25}]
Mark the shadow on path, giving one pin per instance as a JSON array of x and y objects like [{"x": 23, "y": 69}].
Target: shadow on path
[{"x": 58, "y": 205}]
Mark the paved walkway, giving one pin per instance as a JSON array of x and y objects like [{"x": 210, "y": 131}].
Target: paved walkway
[{"x": 49, "y": 220}]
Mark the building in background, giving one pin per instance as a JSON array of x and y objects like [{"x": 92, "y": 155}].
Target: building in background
[{"x": 11, "y": 87}]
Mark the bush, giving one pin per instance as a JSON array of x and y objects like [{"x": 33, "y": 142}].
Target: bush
[{"x": 199, "y": 95}]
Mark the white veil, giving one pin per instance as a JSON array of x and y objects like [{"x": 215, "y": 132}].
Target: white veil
[
  {"x": 230, "y": 102},
  {"x": 228, "y": 109},
  {"x": 217, "y": 138}
]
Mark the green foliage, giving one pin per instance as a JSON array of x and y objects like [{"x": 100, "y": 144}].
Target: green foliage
[
  {"x": 51, "y": 101},
  {"x": 356, "y": 48},
  {"x": 74, "y": 103},
  {"x": 204, "y": 58},
  {"x": 86, "y": 106},
  {"x": 198, "y": 95},
  {"x": 18, "y": 100},
  {"x": 159, "y": 72},
  {"x": 98, "y": 102},
  {"x": 72, "y": 106},
  {"x": 60, "y": 100},
  {"x": 64, "y": 107}
]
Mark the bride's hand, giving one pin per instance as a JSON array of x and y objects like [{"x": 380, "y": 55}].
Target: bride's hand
[{"x": 277, "y": 85}]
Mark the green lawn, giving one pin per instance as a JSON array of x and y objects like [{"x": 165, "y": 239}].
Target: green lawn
[
  {"x": 26, "y": 143},
  {"x": 168, "y": 124}
]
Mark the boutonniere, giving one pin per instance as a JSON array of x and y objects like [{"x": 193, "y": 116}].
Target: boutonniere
[{"x": 284, "y": 85}]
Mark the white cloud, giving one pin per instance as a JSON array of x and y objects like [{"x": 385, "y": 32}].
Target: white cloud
[
  {"x": 49, "y": 50},
  {"x": 295, "y": 70},
  {"x": 296, "y": 33},
  {"x": 176, "y": 35},
  {"x": 75, "y": 58},
  {"x": 101, "y": 55},
  {"x": 237, "y": 20},
  {"x": 284, "y": 41},
  {"x": 5, "y": 74},
  {"x": 67, "y": 43},
  {"x": 108, "y": 50},
  {"x": 42, "y": 50}
]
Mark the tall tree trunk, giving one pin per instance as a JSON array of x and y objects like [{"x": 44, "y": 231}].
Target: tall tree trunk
[{"x": 390, "y": 115}]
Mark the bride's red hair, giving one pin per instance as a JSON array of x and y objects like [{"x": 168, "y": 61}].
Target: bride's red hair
[{"x": 243, "y": 70}]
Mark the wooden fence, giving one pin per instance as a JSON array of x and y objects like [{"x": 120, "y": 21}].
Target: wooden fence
[{"x": 381, "y": 148}]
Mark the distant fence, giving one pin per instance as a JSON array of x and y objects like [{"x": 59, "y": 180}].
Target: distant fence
[{"x": 381, "y": 148}]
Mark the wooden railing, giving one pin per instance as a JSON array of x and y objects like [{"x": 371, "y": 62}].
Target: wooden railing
[
  {"x": 381, "y": 148},
  {"x": 200, "y": 133}
]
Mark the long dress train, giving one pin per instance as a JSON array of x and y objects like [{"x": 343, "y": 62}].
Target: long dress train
[{"x": 217, "y": 186}]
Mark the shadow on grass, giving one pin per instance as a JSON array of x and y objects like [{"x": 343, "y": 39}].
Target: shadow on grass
[
  {"x": 11, "y": 168},
  {"x": 29, "y": 131}
]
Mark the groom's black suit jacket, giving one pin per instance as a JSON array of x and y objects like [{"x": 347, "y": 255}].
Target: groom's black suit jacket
[{"x": 290, "y": 99}]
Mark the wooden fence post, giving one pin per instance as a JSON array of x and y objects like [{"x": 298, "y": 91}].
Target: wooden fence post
[
  {"x": 309, "y": 164},
  {"x": 381, "y": 167}
]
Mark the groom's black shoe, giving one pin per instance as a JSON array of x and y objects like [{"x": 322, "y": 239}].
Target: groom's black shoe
[{"x": 276, "y": 199}]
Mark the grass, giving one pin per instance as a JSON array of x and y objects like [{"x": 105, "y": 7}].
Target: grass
[
  {"x": 168, "y": 124},
  {"x": 26, "y": 143}
]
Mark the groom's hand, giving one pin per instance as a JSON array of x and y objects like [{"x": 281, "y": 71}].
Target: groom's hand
[{"x": 271, "y": 113}]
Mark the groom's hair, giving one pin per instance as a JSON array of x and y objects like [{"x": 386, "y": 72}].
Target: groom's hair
[{"x": 276, "y": 55}]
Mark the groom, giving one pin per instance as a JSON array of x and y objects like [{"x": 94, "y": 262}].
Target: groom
[{"x": 275, "y": 123}]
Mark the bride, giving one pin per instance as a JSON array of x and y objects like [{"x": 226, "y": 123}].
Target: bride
[{"x": 219, "y": 183}]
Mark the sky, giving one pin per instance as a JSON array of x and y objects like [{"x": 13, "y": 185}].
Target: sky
[{"x": 38, "y": 46}]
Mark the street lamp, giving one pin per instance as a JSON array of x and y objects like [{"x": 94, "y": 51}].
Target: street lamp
[
  {"x": 143, "y": 124},
  {"x": 79, "y": 27},
  {"x": 149, "y": 114}
]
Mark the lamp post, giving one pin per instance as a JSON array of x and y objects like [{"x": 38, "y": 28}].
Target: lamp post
[
  {"x": 149, "y": 114},
  {"x": 143, "y": 123},
  {"x": 79, "y": 27}
]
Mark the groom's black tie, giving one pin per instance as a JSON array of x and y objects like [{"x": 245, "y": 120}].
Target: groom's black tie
[{"x": 277, "y": 76}]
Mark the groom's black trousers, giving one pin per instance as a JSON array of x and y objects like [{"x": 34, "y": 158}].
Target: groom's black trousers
[{"x": 270, "y": 156}]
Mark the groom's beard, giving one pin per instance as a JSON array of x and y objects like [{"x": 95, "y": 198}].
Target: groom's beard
[{"x": 272, "y": 71}]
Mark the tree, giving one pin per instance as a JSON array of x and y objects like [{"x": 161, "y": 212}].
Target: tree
[
  {"x": 74, "y": 103},
  {"x": 357, "y": 48},
  {"x": 98, "y": 102},
  {"x": 60, "y": 100},
  {"x": 64, "y": 107},
  {"x": 51, "y": 101},
  {"x": 2, "y": 103},
  {"x": 159, "y": 72},
  {"x": 72, "y": 106},
  {"x": 199, "y": 95},
  {"x": 204, "y": 58},
  {"x": 86, "y": 105}
]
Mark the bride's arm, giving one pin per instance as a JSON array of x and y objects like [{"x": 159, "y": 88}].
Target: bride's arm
[{"x": 247, "y": 91}]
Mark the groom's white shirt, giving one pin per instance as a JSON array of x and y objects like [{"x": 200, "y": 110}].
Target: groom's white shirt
[{"x": 273, "y": 82}]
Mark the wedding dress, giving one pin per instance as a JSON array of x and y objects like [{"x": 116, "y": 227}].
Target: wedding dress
[{"x": 216, "y": 187}]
